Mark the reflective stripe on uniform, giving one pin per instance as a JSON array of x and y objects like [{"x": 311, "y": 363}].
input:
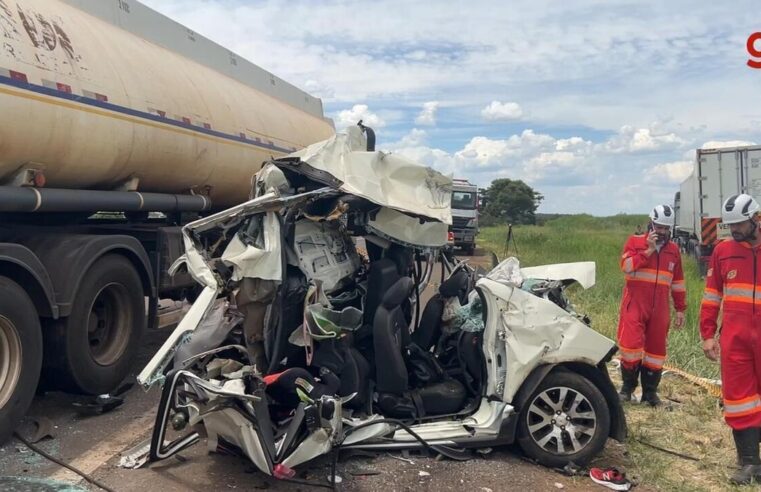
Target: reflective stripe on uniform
[
  {"x": 740, "y": 408},
  {"x": 650, "y": 276},
  {"x": 678, "y": 286},
  {"x": 631, "y": 355},
  {"x": 628, "y": 265},
  {"x": 711, "y": 296},
  {"x": 740, "y": 292},
  {"x": 653, "y": 361}
]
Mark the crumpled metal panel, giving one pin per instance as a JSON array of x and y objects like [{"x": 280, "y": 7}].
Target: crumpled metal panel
[
  {"x": 407, "y": 230},
  {"x": 386, "y": 179},
  {"x": 536, "y": 331}
]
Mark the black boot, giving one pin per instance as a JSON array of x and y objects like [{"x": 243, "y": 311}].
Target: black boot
[
  {"x": 629, "y": 377},
  {"x": 650, "y": 381},
  {"x": 746, "y": 442}
]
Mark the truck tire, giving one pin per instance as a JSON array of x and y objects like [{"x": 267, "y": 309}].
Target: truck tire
[
  {"x": 20, "y": 354},
  {"x": 565, "y": 419},
  {"x": 92, "y": 350}
]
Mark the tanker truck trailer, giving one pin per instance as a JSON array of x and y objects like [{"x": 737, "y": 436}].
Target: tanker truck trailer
[{"x": 117, "y": 126}]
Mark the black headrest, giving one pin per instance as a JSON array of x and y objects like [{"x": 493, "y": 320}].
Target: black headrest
[
  {"x": 397, "y": 293},
  {"x": 454, "y": 285},
  {"x": 401, "y": 256}
]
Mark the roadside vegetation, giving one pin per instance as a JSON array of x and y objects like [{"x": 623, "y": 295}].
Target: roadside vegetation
[{"x": 692, "y": 423}]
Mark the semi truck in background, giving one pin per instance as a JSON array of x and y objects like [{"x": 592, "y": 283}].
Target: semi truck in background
[
  {"x": 717, "y": 175},
  {"x": 118, "y": 127},
  {"x": 464, "y": 215}
]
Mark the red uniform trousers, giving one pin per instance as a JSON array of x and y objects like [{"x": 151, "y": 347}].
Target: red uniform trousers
[
  {"x": 740, "y": 342},
  {"x": 732, "y": 286},
  {"x": 642, "y": 331}
]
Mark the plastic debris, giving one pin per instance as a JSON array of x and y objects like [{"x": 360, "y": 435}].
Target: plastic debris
[
  {"x": 364, "y": 473},
  {"x": 401, "y": 459},
  {"x": 135, "y": 457},
  {"x": 105, "y": 403},
  {"x": 507, "y": 272},
  {"x": 559, "y": 485},
  {"x": 571, "y": 469},
  {"x": 335, "y": 479},
  {"x": 423, "y": 474},
  {"x": 99, "y": 405},
  {"x": 43, "y": 428},
  {"x": 323, "y": 323},
  {"x": 222, "y": 367},
  {"x": 280, "y": 471}
]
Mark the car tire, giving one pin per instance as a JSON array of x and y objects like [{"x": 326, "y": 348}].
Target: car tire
[
  {"x": 20, "y": 354},
  {"x": 92, "y": 350},
  {"x": 577, "y": 433}
]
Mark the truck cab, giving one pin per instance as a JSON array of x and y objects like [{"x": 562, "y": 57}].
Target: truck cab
[{"x": 464, "y": 227}]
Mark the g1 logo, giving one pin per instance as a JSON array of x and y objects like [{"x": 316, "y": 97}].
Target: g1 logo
[{"x": 753, "y": 51}]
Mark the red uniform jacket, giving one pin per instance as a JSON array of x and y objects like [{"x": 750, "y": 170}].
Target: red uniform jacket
[
  {"x": 733, "y": 277},
  {"x": 650, "y": 279}
]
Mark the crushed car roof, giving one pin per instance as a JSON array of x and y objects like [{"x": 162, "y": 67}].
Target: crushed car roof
[{"x": 385, "y": 179}]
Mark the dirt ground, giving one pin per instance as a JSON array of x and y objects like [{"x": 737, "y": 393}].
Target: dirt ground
[{"x": 94, "y": 444}]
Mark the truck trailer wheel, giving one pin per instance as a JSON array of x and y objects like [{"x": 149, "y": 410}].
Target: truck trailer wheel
[
  {"x": 92, "y": 350},
  {"x": 20, "y": 354}
]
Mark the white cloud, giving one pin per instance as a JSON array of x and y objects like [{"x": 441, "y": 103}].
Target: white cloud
[
  {"x": 317, "y": 89},
  {"x": 534, "y": 157},
  {"x": 428, "y": 115},
  {"x": 350, "y": 117},
  {"x": 415, "y": 138},
  {"x": 498, "y": 111},
  {"x": 574, "y": 174},
  {"x": 634, "y": 140},
  {"x": 669, "y": 172},
  {"x": 718, "y": 144}
]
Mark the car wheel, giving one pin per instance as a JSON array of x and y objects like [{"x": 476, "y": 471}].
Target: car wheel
[{"x": 565, "y": 419}]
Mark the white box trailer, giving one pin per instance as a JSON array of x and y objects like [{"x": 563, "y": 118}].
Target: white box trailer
[
  {"x": 684, "y": 208},
  {"x": 718, "y": 174}
]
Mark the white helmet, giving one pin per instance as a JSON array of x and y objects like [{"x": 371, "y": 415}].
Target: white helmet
[
  {"x": 739, "y": 208},
  {"x": 663, "y": 215}
]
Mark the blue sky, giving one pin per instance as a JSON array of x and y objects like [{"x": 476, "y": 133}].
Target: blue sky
[{"x": 599, "y": 105}]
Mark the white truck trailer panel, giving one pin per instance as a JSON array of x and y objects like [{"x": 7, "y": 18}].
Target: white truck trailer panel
[
  {"x": 720, "y": 174},
  {"x": 103, "y": 95},
  {"x": 685, "y": 214}
]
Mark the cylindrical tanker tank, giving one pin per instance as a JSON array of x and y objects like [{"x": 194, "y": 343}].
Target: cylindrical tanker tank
[{"x": 112, "y": 95}]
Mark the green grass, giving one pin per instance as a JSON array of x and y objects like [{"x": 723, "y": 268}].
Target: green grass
[{"x": 601, "y": 239}]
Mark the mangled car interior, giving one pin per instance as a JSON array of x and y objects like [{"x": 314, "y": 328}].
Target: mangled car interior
[{"x": 312, "y": 330}]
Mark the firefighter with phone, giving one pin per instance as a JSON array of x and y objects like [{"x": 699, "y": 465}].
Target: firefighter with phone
[{"x": 652, "y": 267}]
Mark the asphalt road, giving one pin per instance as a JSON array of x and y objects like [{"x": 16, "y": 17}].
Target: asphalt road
[{"x": 94, "y": 445}]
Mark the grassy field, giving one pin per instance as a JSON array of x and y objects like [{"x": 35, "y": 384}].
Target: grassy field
[
  {"x": 586, "y": 238},
  {"x": 692, "y": 423}
]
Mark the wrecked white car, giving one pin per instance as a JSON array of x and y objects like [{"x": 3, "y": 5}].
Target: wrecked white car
[{"x": 312, "y": 332}]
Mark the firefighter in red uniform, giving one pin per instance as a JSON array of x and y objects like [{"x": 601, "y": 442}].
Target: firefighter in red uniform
[
  {"x": 652, "y": 266},
  {"x": 732, "y": 286}
]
